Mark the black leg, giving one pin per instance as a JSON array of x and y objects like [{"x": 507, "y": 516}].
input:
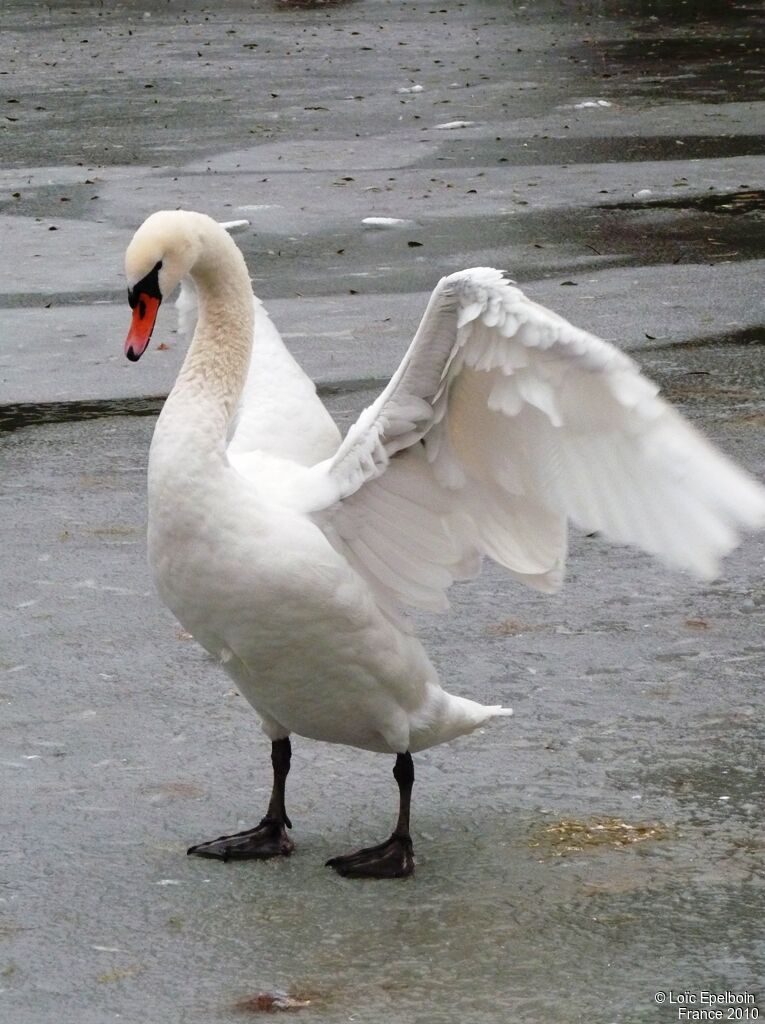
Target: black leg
[
  {"x": 269, "y": 838},
  {"x": 395, "y": 857}
]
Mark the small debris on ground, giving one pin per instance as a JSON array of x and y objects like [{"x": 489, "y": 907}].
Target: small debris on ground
[
  {"x": 118, "y": 974},
  {"x": 592, "y": 103},
  {"x": 271, "y": 1002},
  {"x": 384, "y": 222},
  {"x": 449, "y": 125},
  {"x": 574, "y": 836},
  {"x": 512, "y": 627}
]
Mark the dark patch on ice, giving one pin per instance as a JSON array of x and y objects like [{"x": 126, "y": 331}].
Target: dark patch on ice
[
  {"x": 31, "y": 414},
  {"x": 548, "y": 149},
  {"x": 732, "y": 203}
]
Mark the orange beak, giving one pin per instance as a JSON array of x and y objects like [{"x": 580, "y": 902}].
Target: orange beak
[{"x": 144, "y": 315}]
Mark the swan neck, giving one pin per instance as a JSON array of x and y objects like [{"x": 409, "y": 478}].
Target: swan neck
[{"x": 215, "y": 367}]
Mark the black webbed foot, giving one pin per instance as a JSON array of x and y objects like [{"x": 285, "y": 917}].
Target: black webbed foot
[
  {"x": 268, "y": 839},
  {"x": 392, "y": 859}
]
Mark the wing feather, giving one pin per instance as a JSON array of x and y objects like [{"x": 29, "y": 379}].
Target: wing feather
[{"x": 502, "y": 423}]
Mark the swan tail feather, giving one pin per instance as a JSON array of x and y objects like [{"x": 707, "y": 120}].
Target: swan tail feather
[{"x": 446, "y": 716}]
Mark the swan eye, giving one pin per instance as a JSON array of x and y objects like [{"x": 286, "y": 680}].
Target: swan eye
[{"x": 148, "y": 285}]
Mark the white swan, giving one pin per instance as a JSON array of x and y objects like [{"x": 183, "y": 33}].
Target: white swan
[{"x": 288, "y": 553}]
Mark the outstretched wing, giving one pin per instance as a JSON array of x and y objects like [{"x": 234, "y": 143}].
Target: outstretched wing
[{"x": 502, "y": 423}]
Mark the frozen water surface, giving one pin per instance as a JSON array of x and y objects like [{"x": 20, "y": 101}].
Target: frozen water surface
[
  {"x": 637, "y": 699},
  {"x": 606, "y": 841}
]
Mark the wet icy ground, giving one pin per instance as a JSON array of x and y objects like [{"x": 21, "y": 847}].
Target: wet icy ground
[
  {"x": 637, "y": 693},
  {"x": 637, "y": 697}
]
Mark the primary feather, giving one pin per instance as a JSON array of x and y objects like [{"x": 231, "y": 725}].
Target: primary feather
[{"x": 503, "y": 423}]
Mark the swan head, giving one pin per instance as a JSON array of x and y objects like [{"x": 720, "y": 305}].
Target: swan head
[{"x": 162, "y": 252}]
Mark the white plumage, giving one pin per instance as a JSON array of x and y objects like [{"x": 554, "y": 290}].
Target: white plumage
[
  {"x": 289, "y": 553},
  {"x": 526, "y": 422}
]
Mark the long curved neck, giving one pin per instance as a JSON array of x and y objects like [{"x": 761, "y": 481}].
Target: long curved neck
[{"x": 215, "y": 368}]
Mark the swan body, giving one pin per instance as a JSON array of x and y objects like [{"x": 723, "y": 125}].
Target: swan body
[{"x": 289, "y": 553}]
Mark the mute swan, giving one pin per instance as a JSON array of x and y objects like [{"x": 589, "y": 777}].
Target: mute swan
[{"x": 288, "y": 553}]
